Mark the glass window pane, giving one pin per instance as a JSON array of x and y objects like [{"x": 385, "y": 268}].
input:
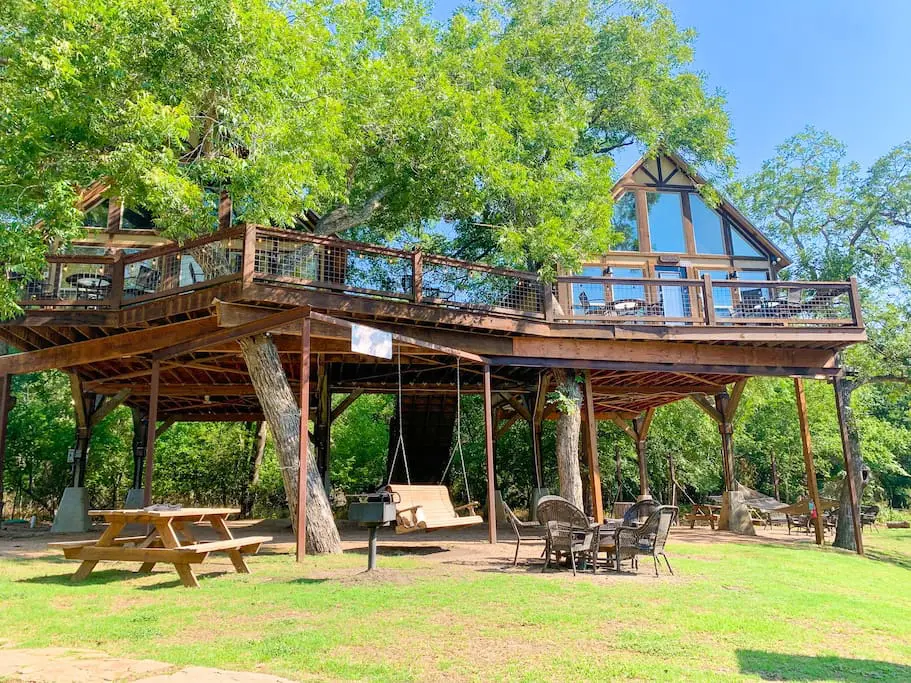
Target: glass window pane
[
  {"x": 741, "y": 246},
  {"x": 706, "y": 226},
  {"x": 665, "y": 222},
  {"x": 97, "y": 216},
  {"x": 625, "y": 223},
  {"x": 588, "y": 297},
  {"x": 137, "y": 219},
  {"x": 626, "y": 291},
  {"x": 752, "y": 294}
]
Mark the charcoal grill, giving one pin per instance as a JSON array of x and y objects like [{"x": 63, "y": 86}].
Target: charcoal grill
[{"x": 373, "y": 510}]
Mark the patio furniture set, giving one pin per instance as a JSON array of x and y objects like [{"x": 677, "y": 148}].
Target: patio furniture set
[{"x": 572, "y": 536}]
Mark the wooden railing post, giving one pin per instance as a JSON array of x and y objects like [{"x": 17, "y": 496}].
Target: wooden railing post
[
  {"x": 248, "y": 262},
  {"x": 708, "y": 299},
  {"x": 417, "y": 271},
  {"x": 548, "y": 293},
  {"x": 854, "y": 294},
  {"x": 115, "y": 297}
]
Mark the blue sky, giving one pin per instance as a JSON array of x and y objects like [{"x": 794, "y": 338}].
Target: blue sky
[{"x": 840, "y": 65}]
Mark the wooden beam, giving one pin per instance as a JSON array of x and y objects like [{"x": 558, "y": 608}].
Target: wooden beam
[
  {"x": 703, "y": 403},
  {"x": 106, "y": 348},
  {"x": 406, "y": 339},
  {"x": 345, "y": 403},
  {"x": 488, "y": 445},
  {"x": 150, "y": 437},
  {"x": 166, "y": 425},
  {"x": 812, "y": 486},
  {"x": 736, "y": 395},
  {"x": 270, "y": 322},
  {"x": 624, "y": 425},
  {"x": 590, "y": 437},
  {"x": 82, "y": 415},
  {"x": 303, "y": 450},
  {"x": 629, "y": 366},
  {"x": 509, "y": 422},
  {"x": 646, "y": 423},
  {"x": 111, "y": 403},
  {"x": 517, "y": 405}
]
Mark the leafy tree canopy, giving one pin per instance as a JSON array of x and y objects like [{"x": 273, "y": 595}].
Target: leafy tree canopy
[
  {"x": 365, "y": 112},
  {"x": 839, "y": 221}
]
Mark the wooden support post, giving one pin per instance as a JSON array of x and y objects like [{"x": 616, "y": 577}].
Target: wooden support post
[
  {"x": 488, "y": 433},
  {"x": 151, "y": 433},
  {"x": 537, "y": 418},
  {"x": 849, "y": 465},
  {"x": 303, "y": 452},
  {"x": 248, "y": 258},
  {"x": 590, "y": 437},
  {"x": 323, "y": 419},
  {"x": 672, "y": 475},
  {"x": 6, "y": 382},
  {"x": 807, "y": 458}
]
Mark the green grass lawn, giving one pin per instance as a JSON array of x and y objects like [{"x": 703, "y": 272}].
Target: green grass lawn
[{"x": 735, "y": 612}]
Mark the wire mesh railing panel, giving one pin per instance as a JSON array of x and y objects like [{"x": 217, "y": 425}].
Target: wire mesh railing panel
[
  {"x": 334, "y": 264},
  {"x": 791, "y": 304},
  {"x": 462, "y": 285},
  {"x": 197, "y": 264},
  {"x": 66, "y": 282},
  {"x": 639, "y": 301}
]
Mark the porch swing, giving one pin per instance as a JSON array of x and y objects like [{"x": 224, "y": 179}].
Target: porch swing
[{"x": 428, "y": 507}]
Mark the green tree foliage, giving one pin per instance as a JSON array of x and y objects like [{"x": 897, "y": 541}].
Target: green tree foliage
[
  {"x": 362, "y": 111},
  {"x": 839, "y": 221}
]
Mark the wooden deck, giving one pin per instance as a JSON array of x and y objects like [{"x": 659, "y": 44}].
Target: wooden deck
[{"x": 646, "y": 341}]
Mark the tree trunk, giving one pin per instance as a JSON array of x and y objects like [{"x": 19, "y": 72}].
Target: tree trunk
[
  {"x": 569, "y": 428},
  {"x": 255, "y": 462},
  {"x": 775, "y": 477},
  {"x": 844, "y": 534},
  {"x": 283, "y": 415}
]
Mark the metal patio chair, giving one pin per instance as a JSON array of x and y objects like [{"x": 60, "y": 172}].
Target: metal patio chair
[
  {"x": 517, "y": 524},
  {"x": 647, "y": 539},
  {"x": 569, "y": 531}
]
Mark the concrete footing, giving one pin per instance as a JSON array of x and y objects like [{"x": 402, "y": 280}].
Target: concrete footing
[
  {"x": 134, "y": 499},
  {"x": 735, "y": 515},
  {"x": 536, "y": 495},
  {"x": 73, "y": 512}
]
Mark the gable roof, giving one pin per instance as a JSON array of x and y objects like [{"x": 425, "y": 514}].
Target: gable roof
[{"x": 693, "y": 178}]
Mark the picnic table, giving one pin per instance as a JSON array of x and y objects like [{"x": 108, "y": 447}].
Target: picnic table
[
  {"x": 703, "y": 513},
  {"x": 169, "y": 540}
]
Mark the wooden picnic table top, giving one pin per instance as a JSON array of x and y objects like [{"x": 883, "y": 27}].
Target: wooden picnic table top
[
  {"x": 170, "y": 540},
  {"x": 176, "y": 513}
]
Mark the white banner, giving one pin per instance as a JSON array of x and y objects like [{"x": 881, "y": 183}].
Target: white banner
[{"x": 371, "y": 342}]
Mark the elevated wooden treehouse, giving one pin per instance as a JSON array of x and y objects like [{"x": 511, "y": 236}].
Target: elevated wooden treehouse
[{"x": 688, "y": 305}]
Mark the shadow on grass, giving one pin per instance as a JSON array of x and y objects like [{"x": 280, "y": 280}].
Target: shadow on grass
[
  {"x": 105, "y": 576},
  {"x": 898, "y": 559},
  {"x": 774, "y": 666}
]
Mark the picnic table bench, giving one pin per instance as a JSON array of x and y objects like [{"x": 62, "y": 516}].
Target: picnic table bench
[
  {"x": 703, "y": 513},
  {"x": 170, "y": 540}
]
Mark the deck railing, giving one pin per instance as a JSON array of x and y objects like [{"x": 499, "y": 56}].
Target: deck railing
[{"x": 254, "y": 255}]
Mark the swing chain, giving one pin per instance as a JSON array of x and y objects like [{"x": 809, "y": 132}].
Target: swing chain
[{"x": 400, "y": 444}]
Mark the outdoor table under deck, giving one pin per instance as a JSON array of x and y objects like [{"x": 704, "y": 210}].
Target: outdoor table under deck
[{"x": 170, "y": 540}]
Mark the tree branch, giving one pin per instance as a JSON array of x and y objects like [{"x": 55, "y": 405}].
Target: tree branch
[{"x": 344, "y": 217}]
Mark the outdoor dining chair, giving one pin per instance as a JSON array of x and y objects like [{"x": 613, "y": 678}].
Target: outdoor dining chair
[
  {"x": 569, "y": 531},
  {"x": 647, "y": 539},
  {"x": 517, "y": 524}
]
